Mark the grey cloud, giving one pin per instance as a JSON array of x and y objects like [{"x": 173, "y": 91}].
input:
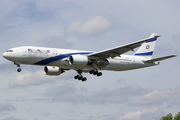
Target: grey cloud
[
  {"x": 170, "y": 47},
  {"x": 118, "y": 95},
  {"x": 65, "y": 93},
  {"x": 25, "y": 11},
  {"x": 7, "y": 67},
  {"x": 157, "y": 97},
  {"x": 174, "y": 97},
  {"x": 6, "y": 106},
  {"x": 176, "y": 42},
  {"x": 152, "y": 98},
  {"x": 47, "y": 114},
  {"x": 60, "y": 90},
  {"x": 37, "y": 119},
  {"x": 104, "y": 117},
  {"x": 93, "y": 26},
  {"x": 130, "y": 95},
  {"x": 148, "y": 114},
  {"x": 30, "y": 79},
  {"x": 68, "y": 93},
  {"x": 12, "y": 118},
  {"x": 56, "y": 41}
]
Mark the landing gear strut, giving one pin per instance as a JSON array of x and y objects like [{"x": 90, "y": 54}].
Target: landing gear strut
[{"x": 18, "y": 65}]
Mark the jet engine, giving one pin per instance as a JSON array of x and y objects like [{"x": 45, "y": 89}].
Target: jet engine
[
  {"x": 53, "y": 71},
  {"x": 78, "y": 60}
]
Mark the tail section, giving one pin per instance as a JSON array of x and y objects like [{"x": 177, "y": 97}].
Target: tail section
[{"x": 146, "y": 50}]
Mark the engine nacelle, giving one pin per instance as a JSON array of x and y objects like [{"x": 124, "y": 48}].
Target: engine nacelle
[
  {"x": 53, "y": 71},
  {"x": 78, "y": 60}
]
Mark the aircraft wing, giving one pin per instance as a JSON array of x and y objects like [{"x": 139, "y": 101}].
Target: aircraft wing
[{"x": 117, "y": 51}]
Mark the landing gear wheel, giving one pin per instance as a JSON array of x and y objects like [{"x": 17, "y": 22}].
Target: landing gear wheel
[
  {"x": 19, "y": 70},
  {"x": 95, "y": 73},
  {"x": 91, "y": 72},
  {"x": 76, "y": 77},
  {"x": 84, "y": 79},
  {"x": 99, "y": 74},
  {"x": 80, "y": 78}
]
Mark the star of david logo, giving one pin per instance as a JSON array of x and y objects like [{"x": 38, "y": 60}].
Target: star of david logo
[{"x": 147, "y": 47}]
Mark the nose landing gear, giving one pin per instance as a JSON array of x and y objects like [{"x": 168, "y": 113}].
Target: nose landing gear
[{"x": 18, "y": 65}]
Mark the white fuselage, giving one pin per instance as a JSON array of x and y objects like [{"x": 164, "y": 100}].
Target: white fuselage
[{"x": 60, "y": 58}]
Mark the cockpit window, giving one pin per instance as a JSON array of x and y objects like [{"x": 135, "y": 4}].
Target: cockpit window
[{"x": 9, "y": 51}]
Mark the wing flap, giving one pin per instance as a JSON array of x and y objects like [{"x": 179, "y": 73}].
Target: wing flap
[{"x": 159, "y": 59}]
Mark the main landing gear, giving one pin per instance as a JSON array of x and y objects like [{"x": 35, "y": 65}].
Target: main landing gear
[
  {"x": 95, "y": 72},
  {"x": 80, "y": 77},
  {"x": 18, "y": 65}
]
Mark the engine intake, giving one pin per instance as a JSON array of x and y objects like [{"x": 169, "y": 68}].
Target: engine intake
[
  {"x": 78, "y": 60},
  {"x": 53, "y": 71}
]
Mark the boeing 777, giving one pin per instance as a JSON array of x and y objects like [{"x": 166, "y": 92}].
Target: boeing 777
[{"x": 57, "y": 61}]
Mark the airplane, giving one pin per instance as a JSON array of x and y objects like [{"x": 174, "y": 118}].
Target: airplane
[{"x": 57, "y": 61}]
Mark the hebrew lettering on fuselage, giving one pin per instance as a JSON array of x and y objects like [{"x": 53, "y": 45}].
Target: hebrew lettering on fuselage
[{"x": 34, "y": 52}]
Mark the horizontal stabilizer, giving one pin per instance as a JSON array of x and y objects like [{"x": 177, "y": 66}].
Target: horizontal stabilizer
[{"x": 159, "y": 59}]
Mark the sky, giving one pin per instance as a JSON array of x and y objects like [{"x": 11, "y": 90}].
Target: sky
[{"x": 95, "y": 25}]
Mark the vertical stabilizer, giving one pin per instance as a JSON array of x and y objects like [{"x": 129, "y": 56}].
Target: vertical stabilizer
[{"x": 147, "y": 48}]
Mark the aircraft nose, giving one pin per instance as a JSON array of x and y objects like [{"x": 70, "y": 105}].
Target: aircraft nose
[
  {"x": 7, "y": 55},
  {"x": 4, "y": 55}
]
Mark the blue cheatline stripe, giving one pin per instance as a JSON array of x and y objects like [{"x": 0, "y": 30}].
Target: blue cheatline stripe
[
  {"x": 151, "y": 40},
  {"x": 144, "y": 54},
  {"x": 52, "y": 59}
]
